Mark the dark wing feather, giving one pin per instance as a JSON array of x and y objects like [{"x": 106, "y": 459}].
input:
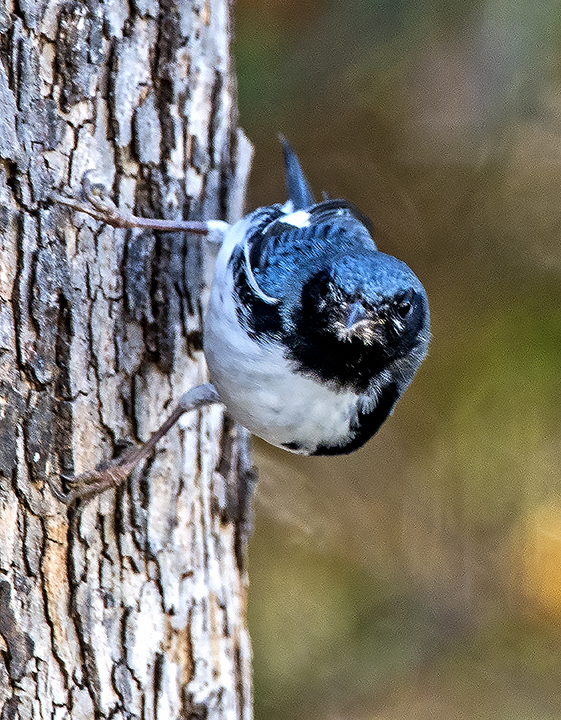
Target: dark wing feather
[{"x": 298, "y": 188}]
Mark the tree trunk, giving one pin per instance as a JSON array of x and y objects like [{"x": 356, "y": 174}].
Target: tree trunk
[{"x": 132, "y": 604}]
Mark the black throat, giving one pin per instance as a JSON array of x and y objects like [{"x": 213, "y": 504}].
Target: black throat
[
  {"x": 317, "y": 352},
  {"x": 366, "y": 424},
  {"x": 342, "y": 365}
]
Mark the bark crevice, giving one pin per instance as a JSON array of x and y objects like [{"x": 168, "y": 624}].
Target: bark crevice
[{"x": 133, "y": 604}]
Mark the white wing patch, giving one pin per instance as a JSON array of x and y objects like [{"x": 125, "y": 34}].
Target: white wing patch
[{"x": 299, "y": 218}]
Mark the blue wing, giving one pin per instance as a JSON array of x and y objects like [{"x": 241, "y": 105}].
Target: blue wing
[{"x": 323, "y": 231}]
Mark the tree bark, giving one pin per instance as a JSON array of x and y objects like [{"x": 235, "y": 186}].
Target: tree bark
[{"x": 132, "y": 604}]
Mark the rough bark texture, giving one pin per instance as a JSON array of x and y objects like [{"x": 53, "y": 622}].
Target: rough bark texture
[{"x": 133, "y": 605}]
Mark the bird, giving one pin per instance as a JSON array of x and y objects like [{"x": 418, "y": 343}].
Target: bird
[{"x": 311, "y": 334}]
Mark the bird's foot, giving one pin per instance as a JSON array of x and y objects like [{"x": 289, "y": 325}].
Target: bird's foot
[
  {"x": 92, "y": 483},
  {"x": 95, "y": 201},
  {"x": 112, "y": 474}
]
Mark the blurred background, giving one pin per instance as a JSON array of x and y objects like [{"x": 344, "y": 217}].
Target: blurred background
[{"x": 420, "y": 578}]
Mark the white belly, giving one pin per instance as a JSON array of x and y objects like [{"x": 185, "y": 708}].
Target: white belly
[{"x": 258, "y": 386}]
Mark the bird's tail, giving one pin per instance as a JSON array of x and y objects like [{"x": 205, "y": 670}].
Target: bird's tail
[{"x": 298, "y": 188}]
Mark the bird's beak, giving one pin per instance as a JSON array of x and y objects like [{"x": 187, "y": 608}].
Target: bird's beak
[
  {"x": 357, "y": 312},
  {"x": 366, "y": 325}
]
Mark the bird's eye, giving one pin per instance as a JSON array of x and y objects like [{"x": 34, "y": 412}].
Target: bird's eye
[
  {"x": 324, "y": 287},
  {"x": 404, "y": 308}
]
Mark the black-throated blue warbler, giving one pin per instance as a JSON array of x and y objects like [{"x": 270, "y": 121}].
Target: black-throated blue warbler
[{"x": 312, "y": 334}]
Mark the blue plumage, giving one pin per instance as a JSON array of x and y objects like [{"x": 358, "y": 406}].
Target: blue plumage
[{"x": 312, "y": 334}]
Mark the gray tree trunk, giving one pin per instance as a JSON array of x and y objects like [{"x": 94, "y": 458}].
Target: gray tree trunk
[{"x": 132, "y": 605}]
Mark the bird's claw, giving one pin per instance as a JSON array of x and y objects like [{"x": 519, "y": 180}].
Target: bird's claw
[
  {"x": 97, "y": 195},
  {"x": 116, "y": 472},
  {"x": 94, "y": 200},
  {"x": 91, "y": 483}
]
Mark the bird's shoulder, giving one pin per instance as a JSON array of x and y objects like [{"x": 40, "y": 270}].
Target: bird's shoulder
[{"x": 279, "y": 249}]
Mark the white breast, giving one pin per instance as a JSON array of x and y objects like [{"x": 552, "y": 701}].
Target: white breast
[{"x": 258, "y": 385}]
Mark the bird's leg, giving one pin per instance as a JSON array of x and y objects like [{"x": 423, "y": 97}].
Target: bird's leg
[
  {"x": 96, "y": 202},
  {"x": 115, "y": 473}
]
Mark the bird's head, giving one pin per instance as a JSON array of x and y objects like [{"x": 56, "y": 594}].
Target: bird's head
[
  {"x": 373, "y": 300},
  {"x": 364, "y": 312}
]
